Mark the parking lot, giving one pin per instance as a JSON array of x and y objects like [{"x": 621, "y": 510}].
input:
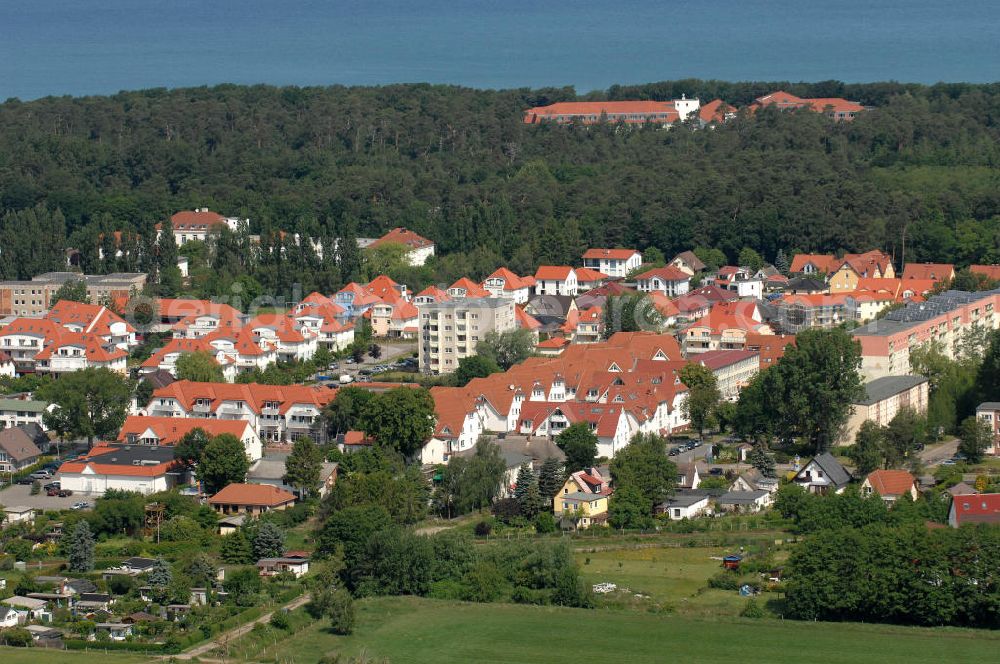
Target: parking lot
[
  {"x": 391, "y": 353},
  {"x": 20, "y": 494}
]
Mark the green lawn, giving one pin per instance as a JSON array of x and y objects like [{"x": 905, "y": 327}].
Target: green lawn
[
  {"x": 412, "y": 630},
  {"x": 44, "y": 656}
]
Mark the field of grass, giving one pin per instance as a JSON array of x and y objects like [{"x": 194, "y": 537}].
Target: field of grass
[
  {"x": 44, "y": 656},
  {"x": 416, "y": 631}
]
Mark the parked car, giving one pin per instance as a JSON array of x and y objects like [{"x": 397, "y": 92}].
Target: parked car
[
  {"x": 25, "y": 481},
  {"x": 82, "y": 505},
  {"x": 40, "y": 475},
  {"x": 715, "y": 471},
  {"x": 674, "y": 452},
  {"x": 65, "y": 493},
  {"x": 51, "y": 485}
]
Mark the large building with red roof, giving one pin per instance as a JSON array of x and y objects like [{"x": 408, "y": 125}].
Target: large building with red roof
[
  {"x": 276, "y": 412},
  {"x": 143, "y": 469},
  {"x": 833, "y": 107},
  {"x": 168, "y": 431},
  {"x": 629, "y": 112}
]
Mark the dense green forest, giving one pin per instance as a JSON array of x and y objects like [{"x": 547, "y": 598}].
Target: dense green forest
[{"x": 920, "y": 173}]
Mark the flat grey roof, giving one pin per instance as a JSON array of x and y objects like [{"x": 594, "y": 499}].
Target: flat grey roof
[
  {"x": 741, "y": 497},
  {"x": 887, "y": 386}
]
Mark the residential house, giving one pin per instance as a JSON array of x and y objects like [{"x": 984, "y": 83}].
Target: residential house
[
  {"x": 818, "y": 264},
  {"x": 890, "y": 485},
  {"x": 851, "y": 268},
  {"x": 504, "y": 283},
  {"x": 823, "y": 474},
  {"x": 615, "y": 263},
  {"x": 930, "y": 271},
  {"x": 684, "y": 505},
  {"x": 115, "y": 631},
  {"x": 555, "y": 280},
  {"x": 19, "y": 412},
  {"x": 978, "y": 508},
  {"x": 419, "y": 248},
  {"x": 28, "y": 609},
  {"x": 668, "y": 280},
  {"x": 587, "y": 279},
  {"x": 769, "y": 347},
  {"x": 168, "y": 431},
  {"x": 354, "y": 300},
  {"x": 297, "y": 567},
  {"x": 397, "y": 320},
  {"x": 724, "y": 328},
  {"x": 754, "y": 480},
  {"x": 715, "y": 112},
  {"x": 884, "y": 398},
  {"x": 466, "y": 288},
  {"x": 17, "y": 450},
  {"x": 7, "y": 367},
  {"x": 270, "y": 470},
  {"x": 989, "y": 412},
  {"x": 688, "y": 263},
  {"x": 688, "y": 476},
  {"x": 252, "y": 499},
  {"x": 745, "y": 502},
  {"x": 190, "y": 225},
  {"x": 989, "y": 271},
  {"x": 9, "y": 617},
  {"x": 18, "y": 514},
  {"x": 144, "y": 469}
]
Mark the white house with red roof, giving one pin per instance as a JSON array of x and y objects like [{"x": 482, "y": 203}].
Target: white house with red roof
[
  {"x": 668, "y": 280},
  {"x": 168, "y": 431},
  {"x": 292, "y": 341},
  {"x": 725, "y": 327},
  {"x": 419, "y": 248},
  {"x": 399, "y": 319},
  {"x": 890, "y": 485},
  {"x": 588, "y": 279},
  {"x": 975, "y": 508},
  {"x": 276, "y": 412},
  {"x": 612, "y": 262},
  {"x": 466, "y": 288},
  {"x": 355, "y": 299},
  {"x": 555, "y": 280},
  {"x": 504, "y": 283},
  {"x": 143, "y": 469},
  {"x": 197, "y": 224}
]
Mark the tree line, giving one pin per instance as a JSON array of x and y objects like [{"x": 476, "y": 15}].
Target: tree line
[{"x": 915, "y": 176}]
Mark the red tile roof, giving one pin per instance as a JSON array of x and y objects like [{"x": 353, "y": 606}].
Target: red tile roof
[
  {"x": 822, "y": 262},
  {"x": 932, "y": 271},
  {"x": 979, "y": 508},
  {"x": 253, "y": 394},
  {"x": 257, "y": 495},
  {"x": 585, "y": 275},
  {"x": 610, "y": 254},
  {"x": 589, "y": 112},
  {"x": 553, "y": 272},
  {"x": 891, "y": 482},
  {"x": 170, "y": 430},
  {"x": 196, "y": 220},
  {"x": 716, "y": 111},
  {"x": 666, "y": 273},
  {"x": 99, "y": 461},
  {"x": 471, "y": 288},
  {"x": 404, "y": 237},
  {"x": 511, "y": 281},
  {"x": 988, "y": 271}
]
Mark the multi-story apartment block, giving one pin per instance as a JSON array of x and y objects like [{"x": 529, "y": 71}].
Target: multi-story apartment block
[
  {"x": 276, "y": 412},
  {"x": 450, "y": 330},
  {"x": 989, "y": 412},
  {"x": 34, "y": 298},
  {"x": 18, "y": 412},
  {"x": 613, "y": 262},
  {"x": 884, "y": 398},
  {"x": 944, "y": 319},
  {"x": 733, "y": 369}
]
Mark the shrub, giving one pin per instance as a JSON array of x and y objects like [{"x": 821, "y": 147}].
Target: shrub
[
  {"x": 279, "y": 620},
  {"x": 340, "y": 610},
  {"x": 724, "y": 581},
  {"x": 752, "y": 610},
  {"x": 507, "y": 510},
  {"x": 483, "y": 528},
  {"x": 545, "y": 523},
  {"x": 36, "y": 488},
  {"x": 16, "y": 636}
]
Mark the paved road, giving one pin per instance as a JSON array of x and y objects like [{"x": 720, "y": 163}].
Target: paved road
[{"x": 222, "y": 639}]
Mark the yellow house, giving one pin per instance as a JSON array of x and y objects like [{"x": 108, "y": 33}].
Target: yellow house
[
  {"x": 586, "y": 509},
  {"x": 869, "y": 265}
]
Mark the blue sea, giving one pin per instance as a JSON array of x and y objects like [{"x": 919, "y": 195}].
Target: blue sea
[{"x": 79, "y": 47}]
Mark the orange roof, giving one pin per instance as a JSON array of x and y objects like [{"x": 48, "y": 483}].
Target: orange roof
[
  {"x": 470, "y": 287},
  {"x": 511, "y": 281},
  {"x": 525, "y": 320},
  {"x": 170, "y": 430},
  {"x": 196, "y": 220},
  {"x": 782, "y": 99},
  {"x": 663, "y": 304},
  {"x": 822, "y": 262},
  {"x": 770, "y": 347},
  {"x": 384, "y": 287},
  {"x": 404, "y": 237},
  {"x": 988, "y": 271},
  {"x": 891, "y": 482},
  {"x": 665, "y": 273},
  {"x": 362, "y": 295},
  {"x": 611, "y": 254},
  {"x": 932, "y": 271},
  {"x": 584, "y": 275},
  {"x": 553, "y": 342},
  {"x": 553, "y": 272},
  {"x": 262, "y": 495},
  {"x": 738, "y": 315},
  {"x": 715, "y": 111},
  {"x": 591, "y": 111},
  {"x": 94, "y": 458},
  {"x": 253, "y": 394},
  {"x": 434, "y": 292}
]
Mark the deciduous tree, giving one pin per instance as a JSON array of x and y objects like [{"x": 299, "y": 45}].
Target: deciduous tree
[
  {"x": 223, "y": 462},
  {"x": 579, "y": 444}
]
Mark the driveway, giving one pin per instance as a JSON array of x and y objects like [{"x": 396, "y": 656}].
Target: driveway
[
  {"x": 222, "y": 640},
  {"x": 17, "y": 495}
]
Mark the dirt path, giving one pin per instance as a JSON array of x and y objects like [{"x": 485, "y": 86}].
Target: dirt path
[{"x": 236, "y": 632}]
